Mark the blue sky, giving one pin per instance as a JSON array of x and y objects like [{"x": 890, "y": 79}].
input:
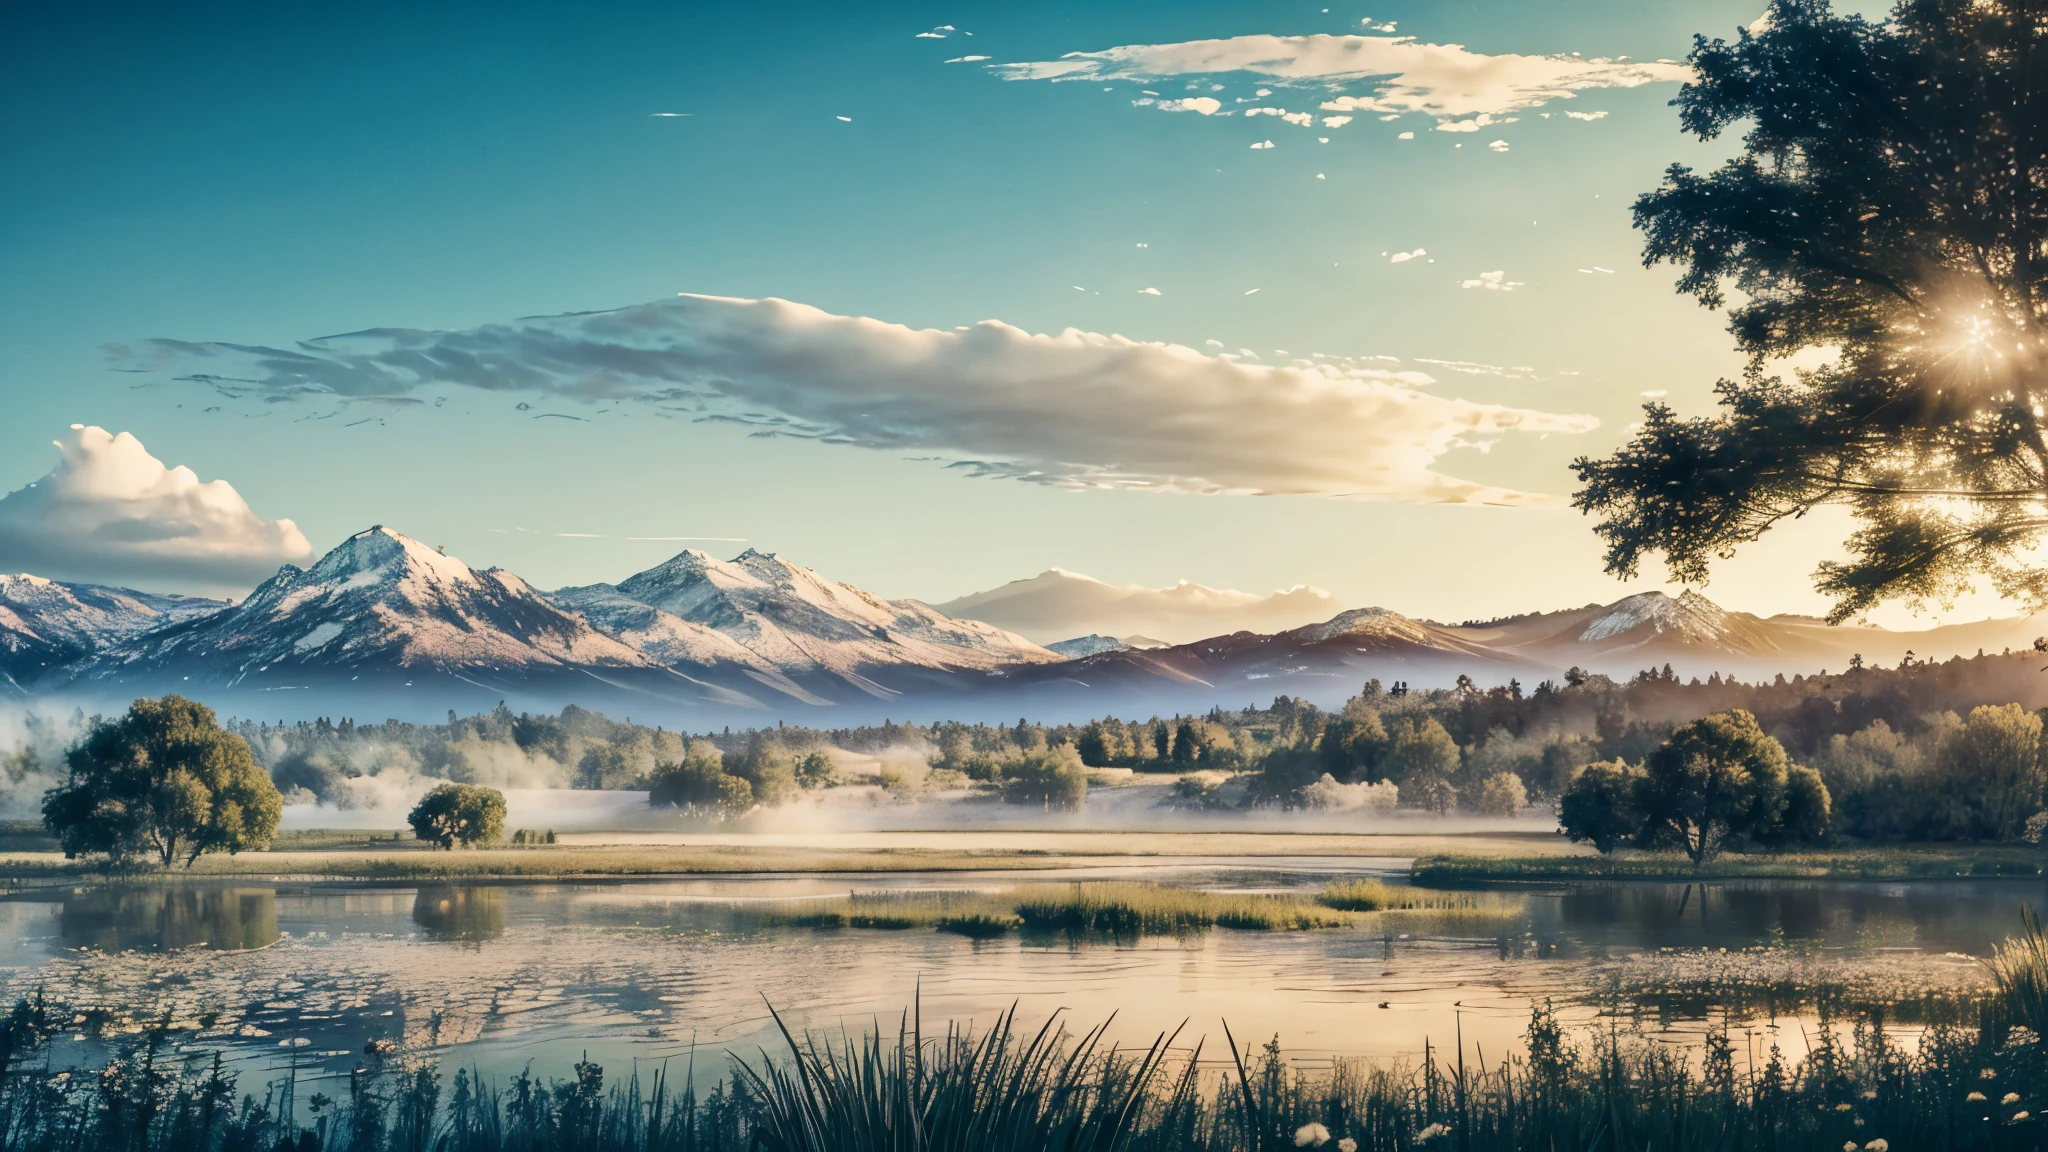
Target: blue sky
[{"x": 261, "y": 175}]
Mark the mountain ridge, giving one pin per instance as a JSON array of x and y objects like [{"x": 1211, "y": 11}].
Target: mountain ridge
[{"x": 762, "y": 635}]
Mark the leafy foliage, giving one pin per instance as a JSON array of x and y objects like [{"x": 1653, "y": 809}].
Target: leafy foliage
[
  {"x": 1890, "y": 202},
  {"x": 463, "y": 814},
  {"x": 1716, "y": 777},
  {"x": 163, "y": 782}
]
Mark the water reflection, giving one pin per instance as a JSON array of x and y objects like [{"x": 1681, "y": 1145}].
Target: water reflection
[
  {"x": 471, "y": 912},
  {"x": 501, "y": 974},
  {"x": 1947, "y": 916},
  {"x": 118, "y": 918}
]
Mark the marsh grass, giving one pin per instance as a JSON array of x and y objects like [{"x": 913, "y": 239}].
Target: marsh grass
[
  {"x": 1373, "y": 895},
  {"x": 1126, "y": 908},
  {"x": 1930, "y": 862},
  {"x": 1115, "y": 908}
]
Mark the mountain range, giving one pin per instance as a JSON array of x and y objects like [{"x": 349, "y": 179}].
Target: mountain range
[{"x": 383, "y": 621}]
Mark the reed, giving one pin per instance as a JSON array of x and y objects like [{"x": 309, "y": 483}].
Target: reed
[
  {"x": 1124, "y": 908},
  {"x": 1117, "y": 908},
  {"x": 1373, "y": 895},
  {"x": 1013, "y": 1089}
]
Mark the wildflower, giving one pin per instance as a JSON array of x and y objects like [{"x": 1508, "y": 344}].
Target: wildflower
[
  {"x": 1347, "y": 1144},
  {"x": 1975, "y": 1097},
  {"x": 2010, "y": 1098},
  {"x": 1848, "y": 1146},
  {"x": 1868, "y": 1094},
  {"x": 1311, "y": 1136},
  {"x": 1841, "y": 1107},
  {"x": 1988, "y": 1074},
  {"x": 2020, "y": 1036},
  {"x": 1430, "y": 1133},
  {"x": 2019, "y": 1115},
  {"x": 1878, "y": 1145}
]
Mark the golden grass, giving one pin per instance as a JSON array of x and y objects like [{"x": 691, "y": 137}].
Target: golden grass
[
  {"x": 1124, "y": 908},
  {"x": 1371, "y": 895}
]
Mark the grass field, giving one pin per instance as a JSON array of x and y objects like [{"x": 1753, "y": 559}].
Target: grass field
[{"x": 1909, "y": 862}]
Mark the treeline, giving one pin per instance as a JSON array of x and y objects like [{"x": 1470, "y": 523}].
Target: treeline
[{"x": 1901, "y": 751}]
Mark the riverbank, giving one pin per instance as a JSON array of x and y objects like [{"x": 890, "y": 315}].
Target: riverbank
[
  {"x": 1890, "y": 862},
  {"x": 356, "y": 856}
]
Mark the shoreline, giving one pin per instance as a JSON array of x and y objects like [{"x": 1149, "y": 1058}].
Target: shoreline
[
  {"x": 834, "y": 853},
  {"x": 1877, "y": 862}
]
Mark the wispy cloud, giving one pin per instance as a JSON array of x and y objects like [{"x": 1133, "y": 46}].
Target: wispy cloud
[
  {"x": 111, "y": 512},
  {"x": 1401, "y": 74},
  {"x": 1074, "y": 409}
]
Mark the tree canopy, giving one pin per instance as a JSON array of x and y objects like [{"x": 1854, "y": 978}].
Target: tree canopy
[
  {"x": 166, "y": 782},
  {"x": 462, "y": 814},
  {"x": 1718, "y": 777},
  {"x": 1889, "y": 203}
]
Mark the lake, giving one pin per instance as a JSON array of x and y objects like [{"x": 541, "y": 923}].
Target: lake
[{"x": 500, "y": 975}]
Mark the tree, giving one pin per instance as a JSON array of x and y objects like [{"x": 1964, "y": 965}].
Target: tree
[
  {"x": 1421, "y": 757},
  {"x": 1500, "y": 794},
  {"x": 814, "y": 770},
  {"x": 464, "y": 814},
  {"x": 1602, "y": 805},
  {"x": 1051, "y": 777},
  {"x": 699, "y": 781},
  {"x": 1989, "y": 772},
  {"x": 1891, "y": 202},
  {"x": 1715, "y": 777},
  {"x": 165, "y": 781}
]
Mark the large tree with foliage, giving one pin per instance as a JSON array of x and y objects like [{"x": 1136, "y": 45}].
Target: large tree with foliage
[
  {"x": 1890, "y": 201},
  {"x": 464, "y": 814},
  {"x": 164, "y": 782}
]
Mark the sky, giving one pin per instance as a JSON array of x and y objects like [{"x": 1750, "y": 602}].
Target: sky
[{"x": 926, "y": 297}]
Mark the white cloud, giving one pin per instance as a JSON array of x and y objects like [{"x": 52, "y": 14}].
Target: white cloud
[
  {"x": 1499, "y": 145},
  {"x": 1262, "y": 144},
  {"x": 1148, "y": 291},
  {"x": 112, "y": 513},
  {"x": 1587, "y": 115},
  {"x": 1303, "y": 119},
  {"x": 1059, "y": 605},
  {"x": 1656, "y": 393},
  {"x": 1206, "y": 105},
  {"x": 966, "y": 59},
  {"x": 1596, "y": 268},
  {"x": 1445, "y": 81},
  {"x": 1492, "y": 282},
  {"x": 1073, "y": 409},
  {"x": 1404, "y": 257},
  {"x": 1336, "y": 121},
  {"x": 1405, "y": 136}
]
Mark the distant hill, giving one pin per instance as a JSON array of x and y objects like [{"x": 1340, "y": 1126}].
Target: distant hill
[{"x": 1056, "y": 603}]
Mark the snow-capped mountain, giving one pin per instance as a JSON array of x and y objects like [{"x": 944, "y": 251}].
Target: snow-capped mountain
[
  {"x": 810, "y": 629},
  {"x": 387, "y": 609},
  {"x": 1089, "y": 645},
  {"x": 47, "y": 625}
]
